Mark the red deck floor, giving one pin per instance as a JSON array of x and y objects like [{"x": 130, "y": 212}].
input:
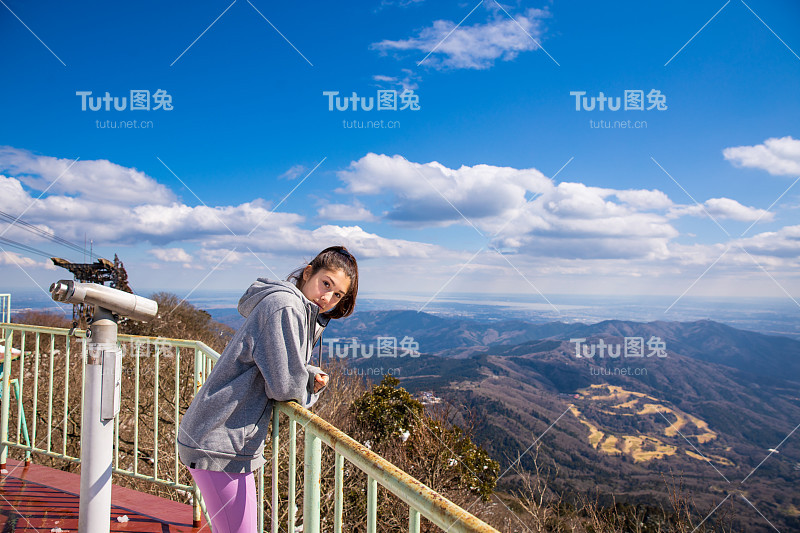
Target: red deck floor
[{"x": 38, "y": 498}]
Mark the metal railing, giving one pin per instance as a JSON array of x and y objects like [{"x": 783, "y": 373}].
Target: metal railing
[
  {"x": 421, "y": 500},
  {"x": 47, "y": 370},
  {"x": 48, "y": 355}
]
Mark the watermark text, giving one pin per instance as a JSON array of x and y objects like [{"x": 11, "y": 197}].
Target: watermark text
[
  {"x": 138, "y": 100},
  {"x": 383, "y": 347},
  {"x": 632, "y": 100},
  {"x": 386, "y": 100},
  {"x": 632, "y": 347}
]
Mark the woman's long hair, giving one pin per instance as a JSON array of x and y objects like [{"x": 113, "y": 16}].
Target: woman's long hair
[{"x": 333, "y": 258}]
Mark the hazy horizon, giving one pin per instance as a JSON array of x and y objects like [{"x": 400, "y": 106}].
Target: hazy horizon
[{"x": 776, "y": 316}]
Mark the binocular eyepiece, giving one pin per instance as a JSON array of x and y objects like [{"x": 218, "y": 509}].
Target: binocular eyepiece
[{"x": 116, "y": 301}]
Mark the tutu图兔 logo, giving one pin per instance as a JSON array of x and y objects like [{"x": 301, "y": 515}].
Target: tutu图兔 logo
[
  {"x": 633, "y": 347},
  {"x": 139, "y": 100},
  {"x": 386, "y": 347},
  {"x": 387, "y": 101},
  {"x": 633, "y": 100}
]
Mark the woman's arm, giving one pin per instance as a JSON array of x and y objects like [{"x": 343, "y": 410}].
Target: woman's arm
[{"x": 280, "y": 353}]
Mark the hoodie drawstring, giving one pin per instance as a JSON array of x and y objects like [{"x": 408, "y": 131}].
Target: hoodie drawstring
[
  {"x": 319, "y": 353},
  {"x": 322, "y": 321}
]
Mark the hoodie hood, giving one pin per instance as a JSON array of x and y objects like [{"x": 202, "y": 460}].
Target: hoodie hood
[{"x": 263, "y": 287}]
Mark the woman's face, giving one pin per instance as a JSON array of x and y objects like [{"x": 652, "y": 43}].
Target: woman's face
[{"x": 325, "y": 288}]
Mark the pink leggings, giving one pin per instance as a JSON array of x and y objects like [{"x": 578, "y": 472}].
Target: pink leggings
[{"x": 230, "y": 500}]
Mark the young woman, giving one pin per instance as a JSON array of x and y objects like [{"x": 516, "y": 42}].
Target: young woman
[{"x": 221, "y": 436}]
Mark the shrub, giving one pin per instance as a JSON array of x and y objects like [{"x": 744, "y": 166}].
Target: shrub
[{"x": 441, "y": 455}]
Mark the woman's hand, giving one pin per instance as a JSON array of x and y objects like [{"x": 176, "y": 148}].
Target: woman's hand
[{"x": 320, "y": 380}]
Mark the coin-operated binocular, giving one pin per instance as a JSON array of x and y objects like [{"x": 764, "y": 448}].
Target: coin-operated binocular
[
  {"x": 102, "y": 391},
  {"x": 116, "y": 301}
]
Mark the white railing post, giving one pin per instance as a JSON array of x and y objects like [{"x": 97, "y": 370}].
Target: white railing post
[
  {"x": 311, "y": 482},
  {"x": 5, "y": 308},
  {"x": 292, "y": 473},
  {"x": 7, "y": 356},
  {"x": 196, "y": 491},
  {"x": 338, "y": 495},
  {"x": 372, "y": 504},
  {"x": 413, "y": 520},
  {"x": 275, "y": 449}
]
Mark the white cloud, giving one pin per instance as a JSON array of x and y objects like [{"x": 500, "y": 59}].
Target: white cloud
[
  {"x": 556, "y": 232},
  {"x": 532, "y": 214},
  {"x": 573, "y": 220},
  {"x": 73, "y": 216},
  {"x": 784, "y": 243},
  {"x": 778, "y": 156},
  {"x": 373, "y": 245},
  {"x": 723, "y": 208},
  {"x": 12, "y": 194},
  {"x": 11, "y": 258},
  {"x": 564, "y": 220},
  {"x": 477, "y": 192},
  {"x": 644, "y": 199},
  {"x": 224, "y": 256},
  {"x": 171, "y": 255},
  {"x": 179, "y": 221},
  {"x": 354, "y": 212},
  {"x": 294, "y": 172},
  {"x": 363, "y": 244},
  {"x": 98, "y": 181},
  {"x": 408, "y": 81},
  {"x": 473, "y": 47},
  {"x": 209, "y": 228},
  {"x": 400, "y": 3}
]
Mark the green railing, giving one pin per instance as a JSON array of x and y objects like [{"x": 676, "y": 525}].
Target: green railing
[
  {"x": 421, "y": 500},
  {"x": 44, "y": 374},
  {"x": 49, "y": 360}
]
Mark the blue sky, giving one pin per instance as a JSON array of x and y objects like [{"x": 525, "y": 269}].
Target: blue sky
[{"x": 460, "y": 194}]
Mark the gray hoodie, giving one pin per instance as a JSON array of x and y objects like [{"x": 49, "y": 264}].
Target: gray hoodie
[{"x": 267, "y": 360}]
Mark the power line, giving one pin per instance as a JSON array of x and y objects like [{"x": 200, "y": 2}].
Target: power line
[
  {"x": 24, "y": 247},
  {"x": 46, "y": 234}
]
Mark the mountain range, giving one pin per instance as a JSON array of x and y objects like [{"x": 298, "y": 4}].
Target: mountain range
[{"x": 706, "y": 406}]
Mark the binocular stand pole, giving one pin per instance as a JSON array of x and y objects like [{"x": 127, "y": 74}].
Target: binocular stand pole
[{"x": 97, "y": 430}]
